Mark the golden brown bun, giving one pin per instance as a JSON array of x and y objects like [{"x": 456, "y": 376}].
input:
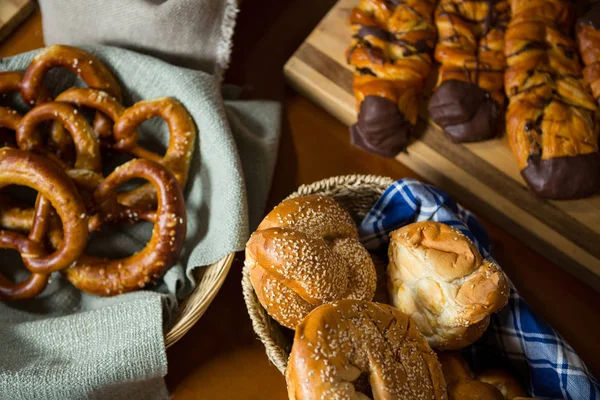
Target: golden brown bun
[
  {"x": 490, "y": 385},
  {"x": 437, "y": 276},
  {"x": 338, "y": 344},
  {"x": 305, "y": 253}
]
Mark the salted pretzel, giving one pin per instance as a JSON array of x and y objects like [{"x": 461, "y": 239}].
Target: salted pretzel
[
  {"x": 109, "y": 277},
  {"x": 391, "y": 53},
  {"x": 87, "y": 66},
  {"x": 468, "y": 100},
  {"x": 55, "y": 190},
  {"x": 177, "y": 158},
  {"x": 87, "y": 149},
  {"x": 550, "y": 119},
  {"x": 11, "y": 82},
  {"x": 588, "y": 39}
]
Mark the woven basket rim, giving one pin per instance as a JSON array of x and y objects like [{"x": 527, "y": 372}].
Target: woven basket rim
[
  {"x": 261, "y": 321},
  {"x": 196, "y": 304}
]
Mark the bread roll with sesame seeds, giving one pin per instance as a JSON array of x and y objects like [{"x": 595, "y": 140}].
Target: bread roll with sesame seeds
[
  {"x": 353, "y": 349},
  {"x": 438, "y": 277},
  {"x": 305, "y": 253}
]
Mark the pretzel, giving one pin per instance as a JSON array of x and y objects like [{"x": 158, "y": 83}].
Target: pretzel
[
  {"x": 588, "y": 39},
  {"x": 551, "y": 122},
  {"x": 18, "y": 167},
  {"x": 11, "y": 82},
  {"x": 87, "y": 150},
  {"x": 88, "y": 67},
  {"x": 391, "y": 54},
  {"x": 178, "y": 156},
  {"x": 468, "y": 101},
  {"x": 109, "y": 277}
]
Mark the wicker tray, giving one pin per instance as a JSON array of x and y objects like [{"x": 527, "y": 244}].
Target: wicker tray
[
  {"x": 356, "y": 194},
  {"x": 210, "y": 279}
]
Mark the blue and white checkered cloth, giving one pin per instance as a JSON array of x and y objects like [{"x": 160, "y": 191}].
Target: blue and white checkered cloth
[{"x": 517, "y": 339}]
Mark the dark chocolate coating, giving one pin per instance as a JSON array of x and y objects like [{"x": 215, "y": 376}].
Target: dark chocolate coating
[
  {"x": 375, "y": 31},
  {"x": 563, "y": 177},
  {"x": 381, "y": 128},
  {"x": 466, "y": 112}
]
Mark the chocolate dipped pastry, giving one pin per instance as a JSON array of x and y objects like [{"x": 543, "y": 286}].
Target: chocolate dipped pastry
[
  {"x": 391, "y": 51},
  {"x": 588, "y": 38},
  {"x": 550, "y": 119},
  {"x": 468, "y": 101}
]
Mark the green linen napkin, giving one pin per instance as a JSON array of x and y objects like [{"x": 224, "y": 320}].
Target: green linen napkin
[{"x": 69, "y": 345}]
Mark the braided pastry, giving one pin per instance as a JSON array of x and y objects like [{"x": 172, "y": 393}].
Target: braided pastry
[
  {"x": 588, "y": 39},
  {"x": 391, "y": 52},
  {"x": 305, "y": 253},
  {"x": 109, "y": 277},
  {"x": 469, "y": 100},
  {"x": 55, "y": 190},
  {"x": 550, "y": 119},
  {"x": 353, "y": 349}
]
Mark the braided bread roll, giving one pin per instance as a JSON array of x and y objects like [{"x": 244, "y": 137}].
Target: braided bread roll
[
  {"x": 437, "y": 276},
  {"x": 391, "y": 51},
  {"x": 468, "y": 102},
  {"x": 588, "y": 39},
  {"x": 305, "y": 253},
  {"x": 550, "y": 120}
]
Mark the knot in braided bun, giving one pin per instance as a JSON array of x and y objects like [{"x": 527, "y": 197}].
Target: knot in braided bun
[
  {"x": 305, "y": 253},
  {"x": 438, "y": 277},
  {"x": 350, "y": 349}
]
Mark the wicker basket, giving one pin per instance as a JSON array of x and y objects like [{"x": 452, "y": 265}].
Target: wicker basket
[
  {"x": 210, "y": 279},
  {"x": 355, "y": 193}
]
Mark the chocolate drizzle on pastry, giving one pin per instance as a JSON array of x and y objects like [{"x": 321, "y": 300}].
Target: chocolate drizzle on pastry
[
  {"x": 552, "y": 120},
  {"x": 391, "y": 54},
  {"x": 468, "y": 102}
]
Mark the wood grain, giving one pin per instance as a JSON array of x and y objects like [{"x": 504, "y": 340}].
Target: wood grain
[
  {"x": 12, "y": 13},
  {"x": 484, "y": 175}
]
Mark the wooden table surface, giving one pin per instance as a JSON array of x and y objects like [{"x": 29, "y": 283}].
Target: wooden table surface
[{"x": 221, "y": 358}]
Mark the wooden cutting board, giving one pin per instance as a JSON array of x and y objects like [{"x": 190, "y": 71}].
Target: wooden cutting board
[
  {"x": 482, "y": 176},
  {"x": 12, "y": 13}
]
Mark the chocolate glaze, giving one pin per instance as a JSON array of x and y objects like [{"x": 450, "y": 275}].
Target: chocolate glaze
[
  {"x": 381, "y": 128},
  {"x": 371, "y": 30},
  {"x": 563, "y": 177},
  {"x": 465, "y": 111}
]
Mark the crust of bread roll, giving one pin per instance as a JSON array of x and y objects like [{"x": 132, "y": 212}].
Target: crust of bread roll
[
  {"x": 339, "y": 344},
  {"x": 437, "y": 276},
  {"x": 305, "y": 253}
]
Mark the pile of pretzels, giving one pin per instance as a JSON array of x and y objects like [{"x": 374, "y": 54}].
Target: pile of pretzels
[{"x": 54, "y": 150}]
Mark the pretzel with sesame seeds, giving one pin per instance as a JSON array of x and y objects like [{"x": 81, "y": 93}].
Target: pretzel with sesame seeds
[
  {"x": 305, "y": 253},
  {"x": 107, "y": 277},
  {"x": 353, "y": 349},
  {"x": 55, "y": 191},
  {"x": 87, "y": 66}
]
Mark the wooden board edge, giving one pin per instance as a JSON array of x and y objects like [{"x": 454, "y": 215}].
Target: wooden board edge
[{"x": 25, "y": 11}]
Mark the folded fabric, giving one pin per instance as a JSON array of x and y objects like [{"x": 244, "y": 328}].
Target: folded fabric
[
  {"x": 191, "y": 33},
  {"x": 517, "y": 339},
  {"x": 69, "y": 345}
]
